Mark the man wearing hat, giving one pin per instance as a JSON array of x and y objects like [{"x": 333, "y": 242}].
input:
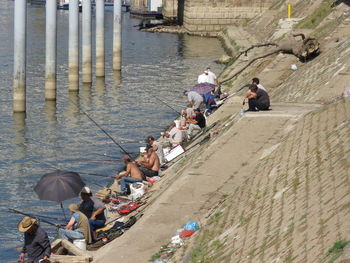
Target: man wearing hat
[
  {"x": 77, "y": 227},
  {"x": 132, "y": 174},
  {"x": 93, "y": 209},
  {"x": 36, "y": 242}
]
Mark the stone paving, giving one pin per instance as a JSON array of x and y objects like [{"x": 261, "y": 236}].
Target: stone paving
[{"x": 295, "y": 204}]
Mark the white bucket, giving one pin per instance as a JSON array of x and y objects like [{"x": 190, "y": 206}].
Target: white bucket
[{"x": 80, "y": 243}]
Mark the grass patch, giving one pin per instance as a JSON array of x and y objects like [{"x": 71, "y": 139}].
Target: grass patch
[
  {"x": 338, "y": 247},
  {"x": 215, "y": 218},
  {"x": 316, "y": 18},
  {"x": 336, "y": 250}
]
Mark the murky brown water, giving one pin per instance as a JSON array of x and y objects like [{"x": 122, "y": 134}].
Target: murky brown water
[{"x": 153, "y": 65}]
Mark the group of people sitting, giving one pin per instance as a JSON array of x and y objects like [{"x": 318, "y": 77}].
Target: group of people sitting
[
  {"x": 86, "y": 217},
  {"x": 89, "y": 215}
]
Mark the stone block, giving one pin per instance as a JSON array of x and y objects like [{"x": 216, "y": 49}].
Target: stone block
[
  {"x": 201, "y": 28},
  {"x": 209, "y": 28}
]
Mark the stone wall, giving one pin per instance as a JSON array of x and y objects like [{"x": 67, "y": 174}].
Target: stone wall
[
  {"x": 214, "y": 15},
  {"x": 170, "y": 9},
  {"x": 139, "y": 5}
]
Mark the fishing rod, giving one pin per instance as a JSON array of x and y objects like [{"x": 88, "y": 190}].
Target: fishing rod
[
  {"x": 109, "y": 136},
  {"x": 31, "y": 215},
  {"x": 166, "y": 104},
  {"x": 56, "y": 168}
]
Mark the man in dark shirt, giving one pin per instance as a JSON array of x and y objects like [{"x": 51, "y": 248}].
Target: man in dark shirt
[
  {"x": 258, "y": 99},
  {"x": 93, "y": 209},
  {"x": 197, "y": 123},
  {"x": 36, "y": 242}
]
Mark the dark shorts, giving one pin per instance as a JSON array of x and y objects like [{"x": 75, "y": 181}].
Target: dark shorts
[{"x": 147, "y": 172}]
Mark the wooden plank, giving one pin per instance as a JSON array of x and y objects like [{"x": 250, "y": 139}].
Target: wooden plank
[
  {"x": 69, "y": 259},
  {"x": 75, "y": 250}
]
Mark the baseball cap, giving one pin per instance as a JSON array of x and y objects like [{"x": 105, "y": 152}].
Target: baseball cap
[
  {"x": 86, "y": 190},
  {"x": 149, "y": 138}
]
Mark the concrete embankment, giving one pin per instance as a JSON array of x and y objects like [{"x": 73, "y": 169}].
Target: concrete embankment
[{"x": 268, "y": 186}]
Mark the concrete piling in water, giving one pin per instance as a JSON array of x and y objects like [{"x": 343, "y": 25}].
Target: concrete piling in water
[
  {"x": 86, "y": 39},
  {"x": 117, "y": 35},
  {"x": 100, "y": 40},
  {"x": 19, "y": 63},
  {"x": 51, "y": 36},
  {"x": 73, "y": 63}
]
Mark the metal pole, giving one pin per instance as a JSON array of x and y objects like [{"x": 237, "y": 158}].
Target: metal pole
[
  {"x": 100, "y": 39},
  {"x": 51, "y": 36},
  {"x": 117, "y": 35},
  {"x": 73, "y": 75},
  {"x": 19, "y": 63},
  {"x": 289, "y": 10},
  {"x": 86, "y": 35}
]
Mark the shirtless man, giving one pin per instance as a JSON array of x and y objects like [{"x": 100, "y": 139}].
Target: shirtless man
[
  {"x": 131, "y": 175},
  {"x": 150, "y": 165}
]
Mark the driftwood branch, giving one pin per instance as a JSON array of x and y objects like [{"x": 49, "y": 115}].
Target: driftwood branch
[
  {"x": 249, "y": 63},
  {"x": 245, "y": 52}
]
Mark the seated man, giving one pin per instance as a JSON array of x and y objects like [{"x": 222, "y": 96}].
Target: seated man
[
  {"x": 131, "y": 175},
  {"x": 256, "y": 81},
  {"x": 36, "y": 242},
  {"x": 157, "y": 147},
  {"x": 77, "y": 227},
  {"x": 93, "y": 209},
  {"x": 194, "y": 99},
  {"x": 258, "y": 99},
  {"x": 175, "y": 136},
  {"x": 210, "y": 102},
  {"x": 197, "y": 123},
  {"x": 204, "y": 77},
  {"x": 151, "y": 164}
]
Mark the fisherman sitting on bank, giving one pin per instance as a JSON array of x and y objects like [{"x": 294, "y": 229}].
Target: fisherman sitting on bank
[
  {"x": 36, "y": 242},
  {"x": 150, "y": 164},
  {"x": 93, "y": 209},
  {"x": 196, "y": 123},
  {"x": 258, "y": 99},
  {"x": 132, "y": 174},
  {"x": 77, "y": 227},
  {"x": 157, "y": 147},
  {"x": 175, "y": 136}
]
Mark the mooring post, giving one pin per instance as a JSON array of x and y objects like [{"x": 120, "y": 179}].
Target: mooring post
[
  {"x": 100, "y": 38},
  {"x": 51, "y": 35},
  {"x": 73, "y": 60},
  {"x": 19, "y": 61},
  {"x": 117, "y": 34},
  {"x": 86, "y": 36}
]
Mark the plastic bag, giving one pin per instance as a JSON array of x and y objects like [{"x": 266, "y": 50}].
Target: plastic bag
[{"x": 191, "y": 225}]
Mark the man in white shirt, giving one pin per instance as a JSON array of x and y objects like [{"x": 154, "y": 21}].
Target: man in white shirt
[
  {"x": 212, "y": 79},
  {"x": 256, "y": 81},
  {"x": 203, "y": 77}
]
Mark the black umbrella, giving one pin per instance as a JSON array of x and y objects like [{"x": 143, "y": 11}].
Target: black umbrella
[{"x": 59, "y": 186}]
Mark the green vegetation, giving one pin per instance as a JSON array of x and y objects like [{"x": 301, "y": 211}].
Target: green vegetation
[
  {"x": 336, "y": 250},
  {"x": 317, "y": 16},
  {"x": 215, "y": 218}
]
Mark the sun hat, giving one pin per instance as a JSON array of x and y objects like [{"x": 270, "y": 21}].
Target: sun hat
[
  {"x": 86, "y": 190},
  {"x": 73, "y": 207},
  {"x": 26, "y": 223}
]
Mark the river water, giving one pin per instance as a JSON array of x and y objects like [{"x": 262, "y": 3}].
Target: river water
[{"x": 60, "y": 136}]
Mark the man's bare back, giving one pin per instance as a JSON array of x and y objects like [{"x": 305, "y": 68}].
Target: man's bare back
[{"x": 133, "y": 171}]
